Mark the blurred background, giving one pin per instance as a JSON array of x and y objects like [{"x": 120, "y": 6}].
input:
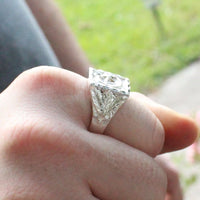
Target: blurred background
[{"x": 146, "y": 40}]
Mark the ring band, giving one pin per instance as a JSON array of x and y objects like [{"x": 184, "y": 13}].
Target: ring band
[{"x": 108, "y": 92}]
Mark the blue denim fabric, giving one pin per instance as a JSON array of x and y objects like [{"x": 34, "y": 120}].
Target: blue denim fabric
[{"x": 22, "y": 42}]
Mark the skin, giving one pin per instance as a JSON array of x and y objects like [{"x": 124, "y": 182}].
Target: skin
[
  {"x": 174, "y": 190},
  {"x": 62, "y": 40},
  {"x": 47, "y": 150}
]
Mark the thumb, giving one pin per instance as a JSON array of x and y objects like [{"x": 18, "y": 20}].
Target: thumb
[{"x": 180, "y": 130}]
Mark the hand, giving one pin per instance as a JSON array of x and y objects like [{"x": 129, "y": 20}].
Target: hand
[
  {"x": 48, "y": 153},
  {"x": 174, "y": 191}
]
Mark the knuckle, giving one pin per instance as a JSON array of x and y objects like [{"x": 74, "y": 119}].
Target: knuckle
[
  {"x": 40, "y": 137},
  {"x": 38, "y": 77},
  {"x": 51, "y": 82},
  {"x": 29, "y": 134},
  {"x": 21, "y": 134}
]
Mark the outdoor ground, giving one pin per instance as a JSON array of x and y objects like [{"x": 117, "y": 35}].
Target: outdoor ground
[{"x": 122, "y": 37}]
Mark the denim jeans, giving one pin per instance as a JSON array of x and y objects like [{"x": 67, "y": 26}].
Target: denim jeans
[{"x": 22, "y": 42}]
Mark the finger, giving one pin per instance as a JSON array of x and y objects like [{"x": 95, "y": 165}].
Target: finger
[
  {"x": 174, "y": 190},
  {"x": 137, "y": 126},
  {"x": 117, "y": 171},
  {"x": 63, "y": 92},
  {"x": 180, "y": 130},
  {"x": 54, "y": 90}
]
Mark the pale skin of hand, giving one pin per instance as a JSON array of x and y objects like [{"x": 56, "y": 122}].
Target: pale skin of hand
[
  {"x": 68, "y": 50},
  {"x": 47, "y": 151}
]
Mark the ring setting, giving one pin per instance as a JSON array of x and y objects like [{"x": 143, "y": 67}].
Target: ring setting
[{"x": 108, "y": 92}]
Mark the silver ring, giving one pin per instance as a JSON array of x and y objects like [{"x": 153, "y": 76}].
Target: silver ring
[{"x": 108, "y": 92}]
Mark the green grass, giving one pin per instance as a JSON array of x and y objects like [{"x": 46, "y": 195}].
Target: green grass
[{"x": 122, "y": 37}]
